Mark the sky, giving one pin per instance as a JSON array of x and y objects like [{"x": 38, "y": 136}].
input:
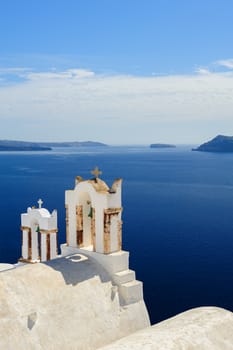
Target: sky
[{"x": 116, "y": 71}]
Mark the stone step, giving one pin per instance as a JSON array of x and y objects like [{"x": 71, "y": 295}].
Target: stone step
[
  {"x": 124, "y": 276},
  {"x": 131, "y": 292}
]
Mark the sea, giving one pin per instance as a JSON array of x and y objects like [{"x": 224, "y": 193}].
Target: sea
[{"x": 177, "y": 215}]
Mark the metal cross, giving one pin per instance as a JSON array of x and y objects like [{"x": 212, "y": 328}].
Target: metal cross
[
  {"x": 40, "y": 202},
  {"x": 96, "y": 172}
]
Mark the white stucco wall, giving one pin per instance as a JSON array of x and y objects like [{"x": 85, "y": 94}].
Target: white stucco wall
[
  {"x": 206, "y": 328},
  {"x": 70, "y": 303},
  {"x": 66, "y": 303}
]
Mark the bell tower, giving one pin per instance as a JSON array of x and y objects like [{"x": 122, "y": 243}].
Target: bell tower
[
  {"x": 39, "y": 234},
  {"x": 94, "y": 229},
  {"x": 93, "y": 215}
]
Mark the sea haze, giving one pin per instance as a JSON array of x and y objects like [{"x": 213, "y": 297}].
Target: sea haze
[{"x": 177, "y": 217}]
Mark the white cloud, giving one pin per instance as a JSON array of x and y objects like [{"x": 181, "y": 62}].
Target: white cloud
[
  {"x": 63, "y": 75},
  {"x": 225, "y": 63},
  {"x": 203, "y": 71},
  {"x": 60, "y": 105}
]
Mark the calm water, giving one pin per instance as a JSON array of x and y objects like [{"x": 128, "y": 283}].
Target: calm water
[{"x": 178, "y": 216}]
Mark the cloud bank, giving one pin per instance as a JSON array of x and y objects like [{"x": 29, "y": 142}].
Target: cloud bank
[{"x": 79, "y": 104}]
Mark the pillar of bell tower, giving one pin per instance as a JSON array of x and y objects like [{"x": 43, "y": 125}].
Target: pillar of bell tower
[{"x": 48, "y": 244}]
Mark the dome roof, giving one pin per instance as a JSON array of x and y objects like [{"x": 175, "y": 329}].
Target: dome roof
[{"x": 44, "y": 212}]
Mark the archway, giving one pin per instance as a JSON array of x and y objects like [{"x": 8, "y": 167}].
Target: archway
[
  {"x": 85, "y": 222},
  {"x": 93, "y": 215},
  {"x": 34, "y": 250}
]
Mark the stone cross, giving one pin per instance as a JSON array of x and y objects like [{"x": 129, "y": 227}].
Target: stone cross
[
  {"x": 40, "y": 202},
  {"x": 96, "y": 172}
]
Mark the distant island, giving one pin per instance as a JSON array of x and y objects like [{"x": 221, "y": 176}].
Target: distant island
[
  {"x": 219, "y": 143},
  {"x": 11, "y": 145},
  {"x": 24, "y": 148},
  {"x": 161, "y": 145},
  {"x": 73, "y": 144}
]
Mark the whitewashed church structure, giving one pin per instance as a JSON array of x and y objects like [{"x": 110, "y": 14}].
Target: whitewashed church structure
[
  {"x": 93, "y": 227},
  {"x": 39, "y": 231}
]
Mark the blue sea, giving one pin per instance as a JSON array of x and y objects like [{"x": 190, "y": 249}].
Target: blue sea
[{"x": 177, "y": 217}]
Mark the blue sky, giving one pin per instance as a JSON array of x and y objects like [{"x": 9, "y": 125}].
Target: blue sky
[{"x": 129, "y": 71}]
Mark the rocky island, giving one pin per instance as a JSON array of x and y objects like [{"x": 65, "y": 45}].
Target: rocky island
[
  {"x": 219, "y": 143},
  {"x": 11, "y": 145},
  {"x": 73, "y": 144},
  {"x": 8, "y": 145},
  {"x": 161, "y": 145}
]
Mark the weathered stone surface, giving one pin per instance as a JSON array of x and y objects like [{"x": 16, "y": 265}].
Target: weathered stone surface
[
  {"x": 67, "y": 303},
  {"x": 70, "y": 303},
  {"x": 206, "y": 328}
]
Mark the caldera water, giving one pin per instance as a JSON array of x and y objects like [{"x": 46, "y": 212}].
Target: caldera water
[{"x": 177, "y": 217}]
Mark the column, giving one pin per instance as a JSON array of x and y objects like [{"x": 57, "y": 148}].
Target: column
[
  {"x": 112, "y": 230},
  {"x": 67, "y": 225},
  {"x": 114, "y": 244},
  {"x": 53, "y": 245},
  {"x": 29, "y": 244},
  {"x": 43, "y": 247},
  {"x": 119, "y": 233},
  {"x": 93, "y": 236},
  {"x": 34, "y": 247},
  {"x": 79, "y": 225},
  {"x": 107, "y": 221},
  {"x": 25, "y": 233},
  {"x": 47, "y": 246}
]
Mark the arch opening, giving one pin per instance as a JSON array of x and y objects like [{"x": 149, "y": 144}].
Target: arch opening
[
  {"x": 85, "y": 222},
  {"x": 34, "y": 244}
]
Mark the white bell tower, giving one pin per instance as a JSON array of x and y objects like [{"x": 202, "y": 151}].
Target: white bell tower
[
  {"x": 93, "y": 215},
  {"x": 39, "y": 231},
  {"x": 94, "y": 228}
]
